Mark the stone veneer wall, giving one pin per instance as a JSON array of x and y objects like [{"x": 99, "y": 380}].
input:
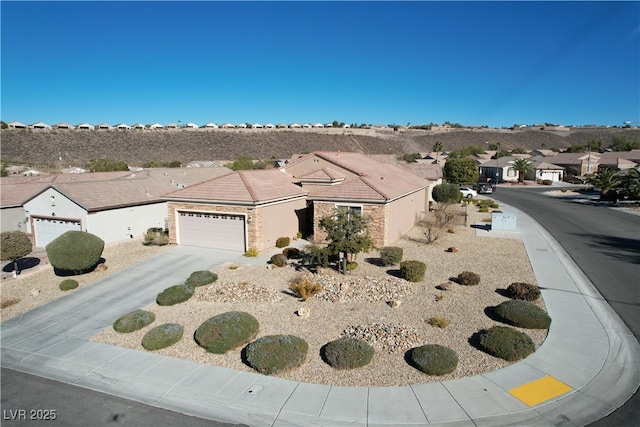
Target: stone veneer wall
[
  {"x": 377, "y": 223},
  {"x": 253, "y": 228}
]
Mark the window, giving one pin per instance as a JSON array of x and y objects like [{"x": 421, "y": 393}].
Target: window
[
  {"x": 351, "y": 209},
  {"x": 511, "y": 172}
]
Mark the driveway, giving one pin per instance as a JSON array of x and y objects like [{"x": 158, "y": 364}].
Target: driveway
[{"x": 97, "y": 306}]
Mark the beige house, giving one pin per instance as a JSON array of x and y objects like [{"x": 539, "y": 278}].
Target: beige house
[{"x": 252, "y": 209}]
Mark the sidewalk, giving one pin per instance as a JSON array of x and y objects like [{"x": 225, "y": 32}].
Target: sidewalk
[{"x": 588, "y": 366}]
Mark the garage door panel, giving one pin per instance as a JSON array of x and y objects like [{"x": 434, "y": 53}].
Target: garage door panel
[
  {"x": 209, "y": 230},
  {"x": 48, "y": 229}
]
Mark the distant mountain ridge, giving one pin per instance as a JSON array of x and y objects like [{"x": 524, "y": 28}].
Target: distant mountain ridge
[{"x": 75, "y": 148}]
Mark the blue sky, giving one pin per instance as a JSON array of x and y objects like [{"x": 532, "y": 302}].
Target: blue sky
[{"x": 474, "y": 63}]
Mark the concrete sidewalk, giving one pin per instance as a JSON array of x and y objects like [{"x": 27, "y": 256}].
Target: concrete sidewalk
[{"x": 587, "y": 367}]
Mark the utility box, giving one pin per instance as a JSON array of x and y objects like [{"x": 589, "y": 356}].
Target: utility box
[{"x": 503, "y": 222}]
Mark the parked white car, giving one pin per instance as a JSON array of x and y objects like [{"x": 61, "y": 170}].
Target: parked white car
[{"x": 468, "y": 192}]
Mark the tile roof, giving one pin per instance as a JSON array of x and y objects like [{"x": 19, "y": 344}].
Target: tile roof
[
  {"x": 382, "y": 181},
  {"x": 121, "y": 190},
  {"x": 247, "y": 187}
]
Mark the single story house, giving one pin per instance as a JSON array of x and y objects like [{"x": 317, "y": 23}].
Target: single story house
[
  {"x": 138, "y": 126},
  {"x": 112, "y": 205},
  {"x": 123, "y": 126},
  {"x": 85, "y": 126},
  {"x": 156, "y": 126},
  {"x": 104, "y": 126},
  {"x": 210, "y": 126},
  {"x": 251, "y": 209},
  {"x": 63, "y": 126},
  {"x": 578, "y": 164},
  {"x": 40, "y": 126},
  {"x": 191, "y": 126},
  {"x": 236, "y": 211},
  {"x": 17, "y": 125},
  {"x": 543, "y": 170}
]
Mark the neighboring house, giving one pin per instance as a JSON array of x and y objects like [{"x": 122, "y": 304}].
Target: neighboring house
[
  {"x": 306, "y": 126},
  {"x": 227, "y": 126},
  {"x": 85, "y": 126},
  {"x": 318, "y": 126},
  {"x": 281, "y": 126},
  {"x": 236, "y": 211},
  {"x": 156, "y": 126},
  {"x": 17, "y": 125},
  {"x": 191, "y": 126},
  {"x": 294, "y": 126},
  {"x": 112, "y": 205},
  {"x": 257, "y": 126},
  {"x": 40, "y": 126},
  {"x": 205, "y": 164},
  {"x": 172, "y": 126},
  {"x": 577, "y": 164},
  {"x": 269, "y": 126},
  {"x": 123, "y": 126},
  {"x": 74, "y": 170},
  {"x": 210, "y": 126},
  {"x": 500, "y": 169},
  {"x": 241, "y": 126},
  {"x": 63, "y": 126},
  {"x": 544, "y": 170},
  {"x": 104, "y": 126},
  {"x": 138, "y": 126}
]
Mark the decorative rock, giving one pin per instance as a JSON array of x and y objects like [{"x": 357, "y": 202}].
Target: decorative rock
[
  {"x": 453, "y": 249},
  {"x": 445, "y": 286},
  {"x": 303, "y": 312},
  {"x": 101, "y": 267},
  {"x": 394, "y": 303},
  {"x": 344, "y": 287}
]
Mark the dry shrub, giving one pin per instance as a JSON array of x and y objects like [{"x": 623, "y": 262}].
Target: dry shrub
[
  {"x": 303, "y": 288},
  {"x": 6, "y": 303}
]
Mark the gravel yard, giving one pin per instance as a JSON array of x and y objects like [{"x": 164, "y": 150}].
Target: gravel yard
[{"x": 360, "y": 305}]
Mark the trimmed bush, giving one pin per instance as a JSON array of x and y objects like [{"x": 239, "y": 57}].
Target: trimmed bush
[
  {"x": 468, "y": 278},
  {"x": 506, "y": 343},
  {"x": 155, "y": 237},
  {"x": 413, "y": 271},
  {"x": 352, "y": 265},
  {"x": 547, "y": 182},
  {"x": 283, "y": 242},
  {"x": 68, "y": 284},
  {"x": 162, "y": 336},
  {"x": 348, "y": 353},
  {"x": 523, "y": 291},
  {"x": 292, "y": 253},
  {"x": 391, "y": 255},
  {"x": 279, "y": 260},
  {"x": 446, "y": 193},
  {"x": 483, "y": 209},
  {"x": 434, "y": 359},
  {"x": 75, "y": 251},
  {"x": 14, "y": 245},
  {"x": 201, "y": 278},
  {"x": 272, "y": 354},
  {"x": 226, "y": 331},
  {"x": 523, "y": 314},
  {"x": 133, "y": 321},
  {"x": 304, "y": 288},
  {"x": 175, "y": 295}
]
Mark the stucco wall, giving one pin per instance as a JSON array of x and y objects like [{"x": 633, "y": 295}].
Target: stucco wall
[
  {"x": 403, "y": 214},
  {"x": 121, "y": 224},
  {"x": 11, "y": 217},
  {"x": 280, "y": 221},
  {"x": 59, "y": 206}
]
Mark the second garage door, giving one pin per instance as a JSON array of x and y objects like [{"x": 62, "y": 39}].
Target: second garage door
[
  {"x": 47, "y": 229},
  {"x": 209, "y": 230}
]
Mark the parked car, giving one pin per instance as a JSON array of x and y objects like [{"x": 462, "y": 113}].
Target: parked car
[
  {"x": 484, "y": 188},
  {"x": 468, "y": 192}
]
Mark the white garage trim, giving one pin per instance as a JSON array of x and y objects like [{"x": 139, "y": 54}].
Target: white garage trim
[
  {"x": 47, "y": 229},
  {"x": 219, "y": 230}
]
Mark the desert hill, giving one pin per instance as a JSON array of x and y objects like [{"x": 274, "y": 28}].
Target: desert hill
[{"x": 75, "y": 148}]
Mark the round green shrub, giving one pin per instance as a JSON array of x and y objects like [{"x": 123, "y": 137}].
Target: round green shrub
[
  {"x": 292, "y": 253},
  {"x": 133, "y": 321},
  {"x": 279, "y": 260},
  {"x": 14, "y": 245},
  {"x": 413, "y": 271},
  {"x": 391, "y": 255},
  {"x": 282, "y": 242},
  {"x": 162, "y": 336},
  {"x": 523, "y": 291},
  {"x": 446, "y": 193},
  {"x": 506, "y": 343},
  {"x": 434, "y": 359},
  {"x": 68, "y": 284},
  {"x": 468, "y": 278},
  {"x": 523, "y": 314},
  {"x": 348, "y": 353},
  {"x": 272, "y": 354},
  {"x": 226, "y": 331},
  {"x": 201, "y": 278},
  {"x": 175, "y": 295},
  {"x": 75, "y": 251},
  {"x": 547, "y": 182}
]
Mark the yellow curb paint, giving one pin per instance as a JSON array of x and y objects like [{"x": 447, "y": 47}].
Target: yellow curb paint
[{"x": 539, "y": 391}]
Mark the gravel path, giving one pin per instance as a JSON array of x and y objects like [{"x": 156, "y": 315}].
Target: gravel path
[{"x": 359, "y": 305}]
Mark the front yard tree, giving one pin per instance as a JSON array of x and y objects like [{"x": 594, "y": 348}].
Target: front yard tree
[
  {"x": 629, "y": 185},
  {"x": 446, "y": 193},
  {"x": 348, "y": 232},
  {"x": 522, "y": 166},
  {"x": 15, "y": 245},
  {"x": 605, "y": 180},
  {"x": 437, "y": 147},
  {"x": 462, "y": 170}
]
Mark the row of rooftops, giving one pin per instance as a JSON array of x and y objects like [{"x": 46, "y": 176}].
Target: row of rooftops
[{"x": 170, "y": 126}]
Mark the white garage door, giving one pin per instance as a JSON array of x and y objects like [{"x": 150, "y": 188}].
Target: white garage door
[
  {"x": 209, "y": 230},
  {"x": 47, "y": 229}
]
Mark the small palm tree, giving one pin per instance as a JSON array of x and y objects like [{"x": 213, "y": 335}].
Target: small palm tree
[
  {"x": 522, "y": 166},
  {"x": 437, "y": 147},
  {"x": 605, "y": 179}
]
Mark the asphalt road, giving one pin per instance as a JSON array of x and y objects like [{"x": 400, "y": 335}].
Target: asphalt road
[
  {"x": 28, "y": 400},
  {"x": 605, "y": 244}
]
